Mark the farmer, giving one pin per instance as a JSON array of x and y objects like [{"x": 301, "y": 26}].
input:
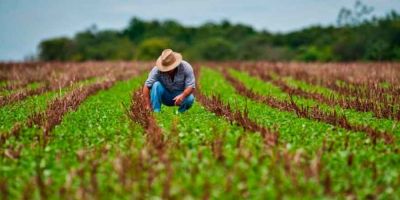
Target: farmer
[{"x": 171, "y": 82}]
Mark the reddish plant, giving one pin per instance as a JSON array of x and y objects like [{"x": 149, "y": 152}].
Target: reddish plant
[
  {"x": 144, "y": 117},
  {"x": 55, "y": 76},
  {"x": 55, "y": 111},
  {"x": 366, "y": 98},
  {"x": 4, "y": 192},
  {"x": 215, "y": 105},
  {"x": 314, "y": 112},
  {"x": 217, "y": 148}
]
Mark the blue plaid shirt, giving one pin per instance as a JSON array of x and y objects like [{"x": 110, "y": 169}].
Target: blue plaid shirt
[{"x": 183, "y": 78}]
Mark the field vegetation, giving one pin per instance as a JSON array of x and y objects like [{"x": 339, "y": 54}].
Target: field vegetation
[{"x": 257, "y": 130}]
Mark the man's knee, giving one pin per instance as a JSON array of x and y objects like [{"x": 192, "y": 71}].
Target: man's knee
[
  {"x": 157, "y": 87},
  {"x": 157, "y": 84},
  {"x": 189, "y": 99},
  {"x": 187, "y": 103}
]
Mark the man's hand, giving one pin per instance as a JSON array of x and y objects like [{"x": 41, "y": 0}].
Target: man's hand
[
  {"x": 147, "y": 107},
  {"x": 179, "y": 99}
]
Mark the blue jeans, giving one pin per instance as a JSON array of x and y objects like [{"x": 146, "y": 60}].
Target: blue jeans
[{"x": 159, "y": 95}]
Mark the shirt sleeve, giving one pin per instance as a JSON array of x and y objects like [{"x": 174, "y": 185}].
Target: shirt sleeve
[
  {"x": 152, "y": 78},
  {"x": 189, "y": 76}
]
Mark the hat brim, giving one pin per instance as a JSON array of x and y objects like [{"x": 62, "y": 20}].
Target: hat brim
[{"x": 165, "y": 68}]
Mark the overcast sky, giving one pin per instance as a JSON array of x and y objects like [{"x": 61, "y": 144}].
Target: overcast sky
[{"x": 24, "y": 23}]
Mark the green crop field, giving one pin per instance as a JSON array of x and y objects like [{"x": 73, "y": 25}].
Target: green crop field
[{"x": 257, "y": 130}]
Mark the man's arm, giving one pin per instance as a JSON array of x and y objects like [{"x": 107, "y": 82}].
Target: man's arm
[
  {"x": 146, "y": 96},
  {"x": 179, "y": 99},
  {"x": 189, "y": 84},
  {"x": 187, "y": 91},
  {"x": 151, "y": 79}
]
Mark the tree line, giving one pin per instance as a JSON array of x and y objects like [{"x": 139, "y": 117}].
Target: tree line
[{"x": 356, "y": 36}]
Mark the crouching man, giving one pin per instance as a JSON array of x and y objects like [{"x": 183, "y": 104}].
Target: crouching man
[{"x": 171, "y": 82}]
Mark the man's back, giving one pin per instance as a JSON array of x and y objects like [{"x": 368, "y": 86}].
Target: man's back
[{"x": 183, "y": 78}]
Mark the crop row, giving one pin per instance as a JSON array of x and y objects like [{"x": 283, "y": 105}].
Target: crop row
[
  {"x": 350, "y": 164},
  {"x": 103, "y": 170},
  {"x": 17, "y": 75},
  {"x": 19, "y": 112},
  {"x": 354, "y": 75},
  {"x": 245, "y": 167},
  {"x": 215, "y": 105},
  {"x": 54, "y": 77},
  {"x": 313, "y": 112},
  {"x": 354, "y": 117},
  {"x": 367, "y": 90},
  {"x": 52, "y": 116},
  {"x": 228, "y": 92},
  {"x": 382, "y": 107},
  {"x": 211, "y": 151},
  {"x": 78, "y": 143},
  {"x": 216, "y": 159},
  {"x": 144, "y": 117}
]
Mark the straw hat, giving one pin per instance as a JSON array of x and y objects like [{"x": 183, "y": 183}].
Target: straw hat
[{"x": 168, "y": 60}]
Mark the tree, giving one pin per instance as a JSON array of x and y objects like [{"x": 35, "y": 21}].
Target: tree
[
  {"x": 59, "y": 49},
  {"x": 355, "y": 16},
  {"x": 358, "y": 37},
  {"x": 152, "y": 48},
  {"x": 135, "y": 29},
  {"x": 214, "y": 49},
  {"x": 313, "y": 53}
]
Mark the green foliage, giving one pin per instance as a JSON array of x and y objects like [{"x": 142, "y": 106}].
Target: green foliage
[
  {"x": 100, "y": 120},
  {"x": 56, "y": 49},
  {"x": 378, "y": 50},
  {"x": 313, "y": 53},
  {"x": 88, "y": 45},
  {"x": 308, "y": 135},
  {"x": 356, "y": 37},
  {"x": 103, "y": 45},
  {"x": 362, "y": 118},
  {"x": 213, "y": 49},
  {"x": 152, "y": 48},
  {"x": 97, "y": 152},
  {"x": 20, "y": 111}
]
